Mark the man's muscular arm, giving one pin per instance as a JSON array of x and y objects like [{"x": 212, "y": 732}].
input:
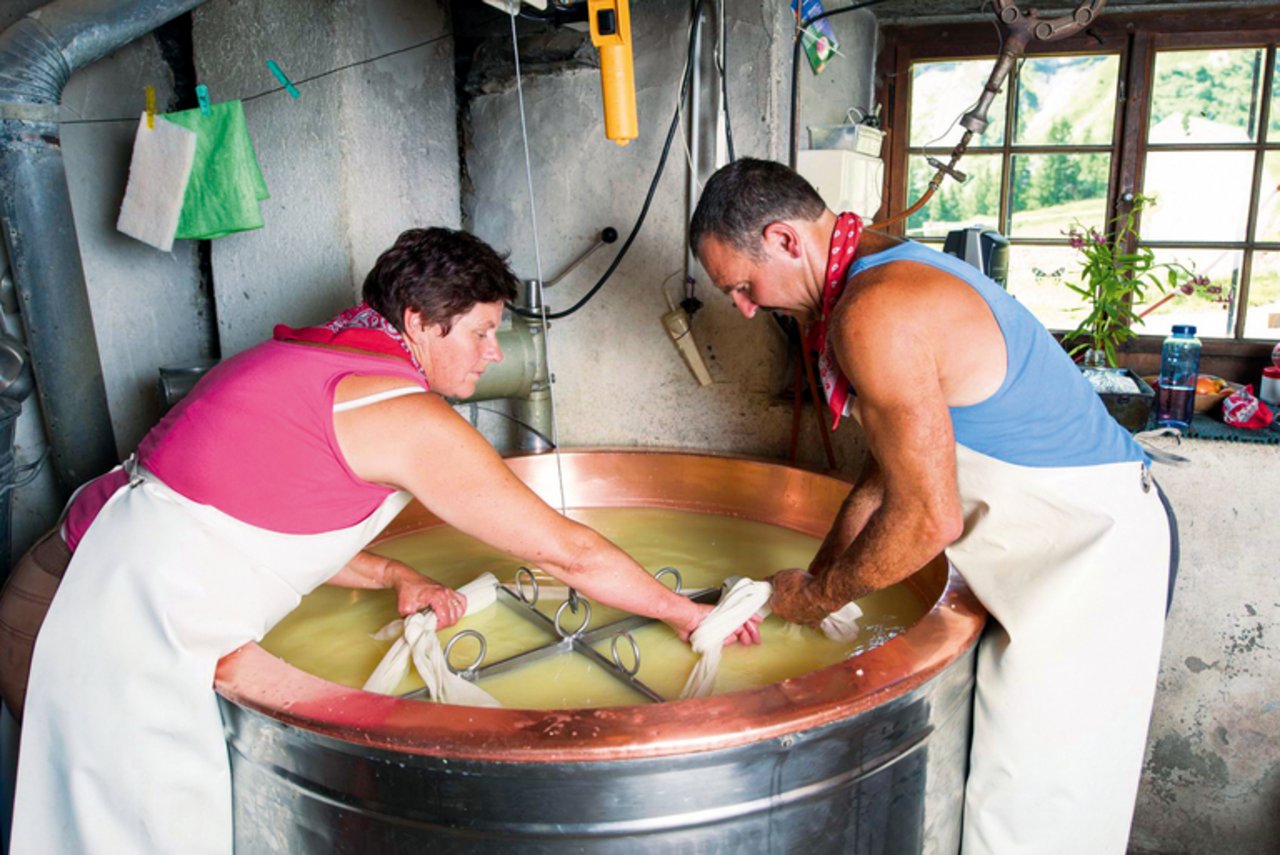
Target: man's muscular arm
[
  {"x": 885, "y": 344},
  {"x": 863, "y": 500}
]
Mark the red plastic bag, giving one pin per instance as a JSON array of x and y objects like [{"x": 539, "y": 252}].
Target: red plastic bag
[{"x": 1243, "y": 409}]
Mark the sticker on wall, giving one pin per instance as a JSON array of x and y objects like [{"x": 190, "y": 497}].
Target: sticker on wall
[{"x": 818, "y": 39}]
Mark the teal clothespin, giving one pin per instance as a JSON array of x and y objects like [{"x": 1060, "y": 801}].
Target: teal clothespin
[
  {"x": 284, "y": 81},
  {"x": 202, "y": 95}
]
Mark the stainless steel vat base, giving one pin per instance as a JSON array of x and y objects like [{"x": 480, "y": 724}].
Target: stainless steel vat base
[{"x": 887, "y": 782}]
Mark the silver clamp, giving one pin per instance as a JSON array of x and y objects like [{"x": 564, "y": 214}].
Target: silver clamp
[
  {"x": 521, "y": 575},
  {"x": 484, "y": 648},
  {"x": 586, "y": 618},
  {"x": 635, "y": 653},
  {"x": 673, "y": 572}
]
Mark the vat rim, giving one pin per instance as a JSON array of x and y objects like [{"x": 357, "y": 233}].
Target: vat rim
[{"x": 258, "y": 681}]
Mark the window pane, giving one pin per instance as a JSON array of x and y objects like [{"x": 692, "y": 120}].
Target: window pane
[
  {"x": 976, "y": 202},
  {"x": 943, "y": 91},
  {"x": 1211, "y": 314},
  {"x": 1200, "y": 195},
  {"x": 1036, "y": 278},
  {"x": 1203, "y": 96},
  {"x": 1049, "y": 192},
  {"x": 1269, "y": 199},
  {"x": 1263, "y": 318},
  {"x": 1067, "y": 100}
]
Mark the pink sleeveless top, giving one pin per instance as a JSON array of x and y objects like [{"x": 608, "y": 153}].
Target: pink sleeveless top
[{"x": 255, "y": 440}]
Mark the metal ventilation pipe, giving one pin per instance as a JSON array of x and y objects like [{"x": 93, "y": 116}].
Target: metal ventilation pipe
[{"x": 38, "y": 54}]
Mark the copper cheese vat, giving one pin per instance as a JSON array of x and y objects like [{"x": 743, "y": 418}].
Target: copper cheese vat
[{"x": 867, "y": 756}]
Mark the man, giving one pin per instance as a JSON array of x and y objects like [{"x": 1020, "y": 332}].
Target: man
[{"x": 986, "y": 442}]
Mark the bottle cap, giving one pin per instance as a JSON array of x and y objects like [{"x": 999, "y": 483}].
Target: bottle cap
[{"x": 1184, "y": 329}]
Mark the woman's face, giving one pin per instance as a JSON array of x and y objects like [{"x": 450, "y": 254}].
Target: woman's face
[{"x": 453, "y": 363}]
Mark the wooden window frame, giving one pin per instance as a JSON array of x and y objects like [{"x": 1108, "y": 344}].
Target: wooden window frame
[{"x": 1135, "y": 38}]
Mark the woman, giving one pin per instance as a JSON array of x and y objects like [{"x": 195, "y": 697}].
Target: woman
[{"x": 263, "y": 483}]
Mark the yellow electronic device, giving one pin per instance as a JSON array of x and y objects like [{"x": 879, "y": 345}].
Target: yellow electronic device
[{"x": 611, "y": 34}]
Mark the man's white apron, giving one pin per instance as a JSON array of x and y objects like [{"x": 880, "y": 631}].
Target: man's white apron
[
  {"x": 1072, "y": 563},
  {"x": 122, "y": 744}
]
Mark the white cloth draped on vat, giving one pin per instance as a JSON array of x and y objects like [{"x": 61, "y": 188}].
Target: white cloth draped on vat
[
  {"x": 741, "y": 599},
  {"x": 416, "y": 641}
]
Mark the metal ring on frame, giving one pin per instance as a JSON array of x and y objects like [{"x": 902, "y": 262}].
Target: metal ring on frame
[
  {"x": 671, "y": 571},
  {"x": 586, "y": 618},
  {"x": 522, "y": 574},
  {"x": 484, "y": 648},
  {"x": 635, "y": 652}
]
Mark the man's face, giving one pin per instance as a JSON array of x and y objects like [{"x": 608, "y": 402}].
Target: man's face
[{"x": 766, "y": 282}]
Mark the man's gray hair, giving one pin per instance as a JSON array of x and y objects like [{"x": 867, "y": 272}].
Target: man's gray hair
[{"x": 744, "y": 197}]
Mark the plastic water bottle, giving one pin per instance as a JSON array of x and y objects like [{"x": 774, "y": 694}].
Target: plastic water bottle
[{"x": 1179, "y": 369}]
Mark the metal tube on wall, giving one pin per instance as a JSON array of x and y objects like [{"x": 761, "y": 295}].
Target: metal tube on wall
[
  {"x": 535, "y": 409},
  {"x": 38, "y": 54},
  {"x": 520, "y": 377},
  {"x": 695, "y": 138}
]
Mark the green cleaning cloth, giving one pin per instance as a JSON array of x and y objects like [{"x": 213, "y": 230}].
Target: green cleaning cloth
[{"x": 226, "y": 183}]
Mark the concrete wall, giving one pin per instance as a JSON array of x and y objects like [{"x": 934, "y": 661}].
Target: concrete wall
[
  {"x": 361, "y": 156},
  {"x": 619, "y": 380},
  {"x": 364, "y": 154},
  {"x": 1211, "y": 782}
]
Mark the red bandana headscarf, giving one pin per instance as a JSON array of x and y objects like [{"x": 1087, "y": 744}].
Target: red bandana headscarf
[
  {"x": 844, "y": 244},
  {"x": 359, "y": 328}
]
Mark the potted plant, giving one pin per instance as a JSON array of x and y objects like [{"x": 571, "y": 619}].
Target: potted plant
[{"x": 1116, "y": 276}]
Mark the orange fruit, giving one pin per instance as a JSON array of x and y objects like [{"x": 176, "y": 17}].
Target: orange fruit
[{"x": 1206, "y": 385}]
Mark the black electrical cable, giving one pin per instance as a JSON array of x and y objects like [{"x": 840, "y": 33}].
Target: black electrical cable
[
  {"x": 795, "y": 63},
  {"x": 648, "y": 199},
  {"x": 724, "y": 83}
]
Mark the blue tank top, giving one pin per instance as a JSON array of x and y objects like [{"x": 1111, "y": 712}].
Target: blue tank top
[{"x": 1044, "y": 413}]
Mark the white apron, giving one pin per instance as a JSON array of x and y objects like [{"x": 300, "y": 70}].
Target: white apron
[
  {"x": 1073, "y": 564},
  {"x": 122, "y": 744}
]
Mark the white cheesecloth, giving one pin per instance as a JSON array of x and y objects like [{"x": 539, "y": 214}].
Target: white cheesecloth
[
  {"x": 741, "y": 599},
  {"x": 416, "y": 640}
]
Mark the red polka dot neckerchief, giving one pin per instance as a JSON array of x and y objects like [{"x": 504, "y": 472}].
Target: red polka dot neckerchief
[{"x": 844, "y": 244}]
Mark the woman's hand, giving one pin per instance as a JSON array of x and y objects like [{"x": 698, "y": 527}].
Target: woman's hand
[
  {"x": 748, "y": 633},
  {"x": 415, "y": 592}
]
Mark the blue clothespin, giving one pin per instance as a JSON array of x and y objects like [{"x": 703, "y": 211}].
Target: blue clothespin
[
  {"x": 202, "y": 95},
  {"x": 284, "y": 81}
]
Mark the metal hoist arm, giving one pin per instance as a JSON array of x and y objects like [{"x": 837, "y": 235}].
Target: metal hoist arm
[{"x": 1019, "y": 29}]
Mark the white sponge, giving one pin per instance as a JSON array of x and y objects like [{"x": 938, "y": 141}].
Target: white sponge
[{"x": 158, "y": 176}]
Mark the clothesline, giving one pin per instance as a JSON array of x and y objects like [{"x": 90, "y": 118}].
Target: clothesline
[{"x": 298, "y": 82}]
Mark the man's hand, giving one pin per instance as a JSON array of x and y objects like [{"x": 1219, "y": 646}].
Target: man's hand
[{"x": 797, "y": 598}]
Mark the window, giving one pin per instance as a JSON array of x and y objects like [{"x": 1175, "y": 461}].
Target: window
[
  {"x": 1032, "y": 184},
  {"x": 1142, "y": 104},
  {"x": 1213, "y": 163}
]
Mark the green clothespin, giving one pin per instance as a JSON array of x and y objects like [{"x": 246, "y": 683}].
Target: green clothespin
[
  {"x": 151, "y": 106},
  {"x": 202, "y": 95},
  {"x": 284, "y": 81}
]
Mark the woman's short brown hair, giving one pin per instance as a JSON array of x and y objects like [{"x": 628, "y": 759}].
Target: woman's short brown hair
[{"x": 440, "y": 273}]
